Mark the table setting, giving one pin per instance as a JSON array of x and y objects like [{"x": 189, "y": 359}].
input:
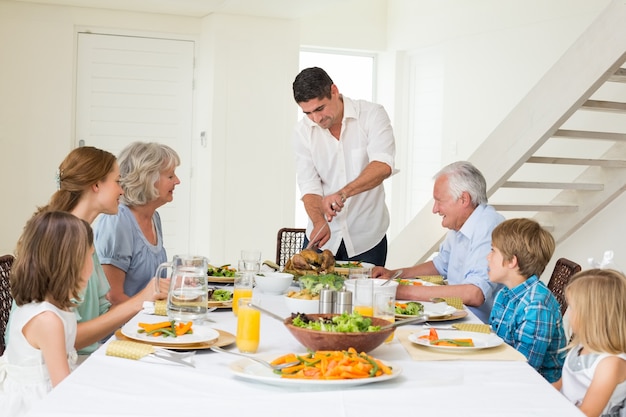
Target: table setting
[{"x": 130, "y": 374}]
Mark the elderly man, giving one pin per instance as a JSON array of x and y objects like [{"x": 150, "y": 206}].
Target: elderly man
[
  {"x": 344, "y": 150},
  {"x": 460, "y": 194}
]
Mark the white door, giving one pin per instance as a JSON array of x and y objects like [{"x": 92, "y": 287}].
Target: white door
[{"x": 140, "y": 89}]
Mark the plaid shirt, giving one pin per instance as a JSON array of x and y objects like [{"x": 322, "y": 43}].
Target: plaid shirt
[{"x": 528, "y": 317}]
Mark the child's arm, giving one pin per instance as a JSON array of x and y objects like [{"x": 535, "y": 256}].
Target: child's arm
[
  {"x": 609, "y": 372},
  {"x": 558, "y": 384},
  {"x": 46, "y": 333}
]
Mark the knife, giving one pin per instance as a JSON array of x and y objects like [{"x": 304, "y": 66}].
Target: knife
[{"x": 312, "y": 242}]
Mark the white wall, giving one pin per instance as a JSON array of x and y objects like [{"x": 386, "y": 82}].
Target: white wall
[
  {"x": 495, "y": 50},
  {"x": 244, "y": 179},
  {"x": 489, "y": 65}
]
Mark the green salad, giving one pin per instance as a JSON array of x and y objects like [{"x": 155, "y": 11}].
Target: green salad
[
  {"x": 316, "y": 283},
  {"x": 412, "y": 308},
  {"x": 344, "y": 323},
  {"x": 221, "y": 271},
  {"x": 221, "y": 295}
]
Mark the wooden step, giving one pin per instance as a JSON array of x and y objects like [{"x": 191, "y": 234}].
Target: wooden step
[
  {"x": 586, "y": 134},
  {"x": 557, "y": 208},
  {"x": 554, "y": 185},
  {"x": 619, "y": 76},
  {"x": 605, "y": 163},
  {"x": 606, "y": 106}
]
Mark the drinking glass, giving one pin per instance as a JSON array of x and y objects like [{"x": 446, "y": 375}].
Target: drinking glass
[
  {"x": 356, "y": 273},
  {"x": 385, "y": 308},
  {"x": 363, "y": 300},
  {"x": 251, "y": 255},
  {"x": 248, "y": 327},
  {"x": 243, "y": 284}
]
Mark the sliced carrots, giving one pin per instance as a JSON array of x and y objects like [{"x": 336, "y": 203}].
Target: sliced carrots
[
  {"x": 434, "y": 339},
  {"x": 326, "y": 364},
  {"x": 166, "y": 328}
]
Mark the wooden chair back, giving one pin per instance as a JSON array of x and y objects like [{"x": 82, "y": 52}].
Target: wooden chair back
[
  {"x": 6, "y": 300},
  {"x": 563, "y": 271},
  {"x": 289, "y": 241}
]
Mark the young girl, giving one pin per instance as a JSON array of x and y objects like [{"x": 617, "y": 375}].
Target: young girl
[
  {"x": 594, "y": 373},
  {"x": 52, "y": 265}
]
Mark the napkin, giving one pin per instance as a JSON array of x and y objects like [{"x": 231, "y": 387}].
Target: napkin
[
  {"x": 155, "y": 307},
  {"x": 503, "y": 352},
  {"x": 473, "y": 327},
  {"x": 129, "y": 350},
  {"x": 434, "y": 279},
  {"x": 455, "y": 302},
  {"x": 160, "y": 307}
]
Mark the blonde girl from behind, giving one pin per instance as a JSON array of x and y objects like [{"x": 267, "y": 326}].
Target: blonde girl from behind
[
  {"x": 594, "y": 373},
  {"x": 52, "y": 265}
]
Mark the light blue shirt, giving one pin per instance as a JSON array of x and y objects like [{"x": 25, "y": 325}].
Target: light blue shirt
[
  {"x": 462, "y": 257},
  {"x": 120, "y": 242}
]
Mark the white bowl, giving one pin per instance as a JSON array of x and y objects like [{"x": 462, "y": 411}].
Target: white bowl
[
  {"x": 273, "y": 282},
  {"x": 298, "y": 305}
]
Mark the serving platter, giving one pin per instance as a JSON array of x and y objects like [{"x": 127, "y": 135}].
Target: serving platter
[
  {"x": 252, "y": 371},
  {"x": 481, "y": 340}
]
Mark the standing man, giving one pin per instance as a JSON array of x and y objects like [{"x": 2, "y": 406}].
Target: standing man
[
  {"x": 460, "y": 194},
  {"x": 344, "y": 150}
]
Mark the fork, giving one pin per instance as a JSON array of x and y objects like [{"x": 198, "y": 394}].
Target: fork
[{"x": 261, "y": 361}]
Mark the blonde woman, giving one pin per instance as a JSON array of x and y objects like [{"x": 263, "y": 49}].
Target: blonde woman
[
  {"x": 130, "y": 243},
  {"x": 594, "y": 373}
]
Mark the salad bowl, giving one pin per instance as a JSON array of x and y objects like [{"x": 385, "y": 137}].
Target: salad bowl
[{"x": 324, "y": 340}]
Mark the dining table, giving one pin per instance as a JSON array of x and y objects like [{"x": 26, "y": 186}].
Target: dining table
[{"x": 106, "y": 385}]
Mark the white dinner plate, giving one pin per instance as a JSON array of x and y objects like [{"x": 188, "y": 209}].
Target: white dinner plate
[
  {"x": 201, "y": 334},
  {"x": 346, "y": 270},
  {"x": 253, "y": 371},
  {"x": 420, "y": 281},
  {"x": 481, "y": 340},
  {"x": 433, "y": 310}
]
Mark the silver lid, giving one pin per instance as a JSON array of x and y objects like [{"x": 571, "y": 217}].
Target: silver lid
[
  {"x": 344, "y": 297},
  {"x": 327, "y": 295}
]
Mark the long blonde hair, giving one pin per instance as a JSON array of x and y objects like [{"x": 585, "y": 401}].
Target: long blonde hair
[{"x": 597, "y": 298}]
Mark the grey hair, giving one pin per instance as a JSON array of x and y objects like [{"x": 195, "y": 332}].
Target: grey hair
[
  {"x": 463, "y": 176},
  {"x": 141, "y": 164}
]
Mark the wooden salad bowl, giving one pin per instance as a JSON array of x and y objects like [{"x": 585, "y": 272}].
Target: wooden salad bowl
[{"x": 319, "y": 340}]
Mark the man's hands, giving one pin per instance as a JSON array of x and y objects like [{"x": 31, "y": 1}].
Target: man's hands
[{"x": 333, "y": 204}]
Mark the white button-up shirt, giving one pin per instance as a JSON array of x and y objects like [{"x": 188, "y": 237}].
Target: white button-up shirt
[{"x": 324, "y": 165}]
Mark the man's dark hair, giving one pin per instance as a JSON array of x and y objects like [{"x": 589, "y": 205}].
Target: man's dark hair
[{"x": 311, "y": 83}]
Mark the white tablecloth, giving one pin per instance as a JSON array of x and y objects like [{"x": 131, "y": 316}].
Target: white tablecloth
[{"x": 110, "y": 386}]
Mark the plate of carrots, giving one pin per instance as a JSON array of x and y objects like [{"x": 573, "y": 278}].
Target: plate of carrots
[
  {"x": 319, "y": 368},
  {"x": 455, "y": 340},
  {"x": 159, "y": 330}
]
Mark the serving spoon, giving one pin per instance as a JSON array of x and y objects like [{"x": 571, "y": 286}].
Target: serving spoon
[
  {"x": 415, "y": 320},
  {"x": 261, "y": 361}
]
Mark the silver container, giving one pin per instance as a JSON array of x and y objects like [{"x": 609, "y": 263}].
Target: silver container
[
  {"x": 343, "y": 302},
  {"x": 327, "y": 301}
]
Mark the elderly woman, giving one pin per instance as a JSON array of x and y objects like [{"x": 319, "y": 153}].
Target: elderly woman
[{"x": 130, "y": 243}]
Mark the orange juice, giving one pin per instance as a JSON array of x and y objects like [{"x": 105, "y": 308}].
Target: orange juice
[
  {"x": 239, "y": 293},
  {"x": 364, "y": 310},
  {"x": 390, "y": 319},
  {"x": 248, "y": 327}
]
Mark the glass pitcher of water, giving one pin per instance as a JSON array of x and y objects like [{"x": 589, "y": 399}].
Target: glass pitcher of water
[{"x": 187, "y": 297}]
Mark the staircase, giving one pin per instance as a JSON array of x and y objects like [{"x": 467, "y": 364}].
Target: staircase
[{"x": 560, "y": 156}]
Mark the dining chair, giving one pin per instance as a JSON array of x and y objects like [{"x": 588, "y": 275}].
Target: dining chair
[
  {"x": 289, "y": 241},
  {"x": 6, "y": 261},
  {"x": 563, "y": 271}
]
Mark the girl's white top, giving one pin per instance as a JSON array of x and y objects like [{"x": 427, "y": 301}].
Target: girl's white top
[
  {"x": 24, "y": 377},
  {"x": 578, "y": 372}
]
